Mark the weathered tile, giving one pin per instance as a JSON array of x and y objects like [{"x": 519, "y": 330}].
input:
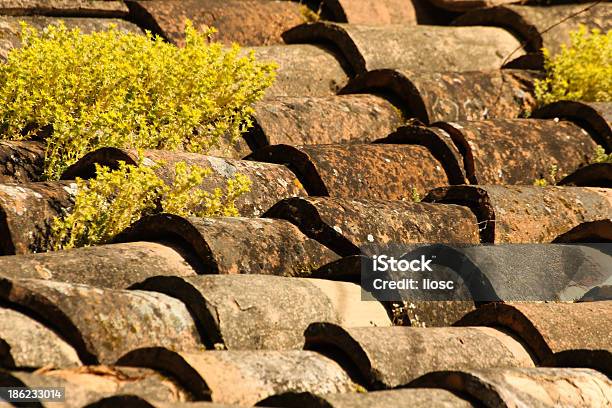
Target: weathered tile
[
  {"x": 439, "y": 143},
  {"x": 594, "y": 117},
  {"x": 368, "y": 171},
  {"x": 527, "y": 214},
  {"x": 432, "y": 96},
  {"x": 322, "y": 120},
  {"x": 577, "y": 334},
  {"x": 525, "y": 387},
  {"x": 432, "y": 313},
  {"x": 246, "y": 22},
  {"x": 399, "y": 398},
  {"x": 21, "y": 161},
  {"x": 10, "y": 27},
  {"x": 500, "y": 151},
  {"x": 270, "y": 182},
  {"x": 139, "y": 402},
  {"x": 592, "y": 175},
  {"x": 114, "y": 266},
  {"x": 541, "y": 26},
  {"x": 346, "y": 299},
  {"x": 467, "y": 5},
  {"x": 81, "y": 8},
  {"x": 245, "y": 377},
  {"x": 88, "y": 384},
  {"x": 303, "y": 70},
  {"x": 590, "y": 231},
  {"x": 366, "y": 48},
  {"x": 597, "y": 294},
  {"x": 346, "y": 225},
  {"x": 417, "y": 313},
  {"x": 232, "y": 245},
  {"x": 27, "y": 344},
  {"x": 103, "y": 324},
  {"x": 388, "y": 357},
  {"x": 28, "y": 210},
  {"x": 258, "y": 312},
  {"x": 382, "y": 12}
]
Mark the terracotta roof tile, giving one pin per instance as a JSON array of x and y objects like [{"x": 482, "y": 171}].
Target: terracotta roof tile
[
  {"x": 345, "y": 225},
  {"x": 27, "y": 344},
  {"x": 500, "y": 151},
  {"x": 524, "y": 272},
  {"x": 64, "y": 8},
  {"x": 10, "y": 27},
  {"x": 592, "y": 175},
  {"x": 28, "y": 209},
  {"x": 401, "y": 398},
  {"x": 466, "y": 5},
  {"x": 250, "y": 312},
  {"x": 594, "y": 117},
  {"x": 103, "y": 324},
  {"x": 228, "y": 245},
  {"x": 85, "y": 385},
  {"x": 439, "y": 143},
  {"x": 576, "y": 333},
  {"x": 322, "y": 120},
  {"x": 246, "y": 377},
  {"x": 382, "y": 12},
  {"x": 417, "y": 313},
  {"x": 530, "y": 22},
  {"x": 247, "y": 22},
  {"x": 110, "y": 155},
  {"x": 451, "y": 96},
  {"x": 366, "y": 48},
  {"x": 346, "y": 298},
  {"x": 270, "y": 182},
  {"x": 21, "y": 161},
  {"x": 592, "y": 231},
  {"x": 139, "y": 402},
  {"x": 303, "y": 70},
  {"x": 366, "y": 171},
  {"x": 535, "y": 387},
  {"x": 428, "y": 313},
  {"x": 527, "y": 214},
  {"x": 114, "y": 266},
  {"x": 388, "y": 357},
  {"x": 599, "y": 293}
]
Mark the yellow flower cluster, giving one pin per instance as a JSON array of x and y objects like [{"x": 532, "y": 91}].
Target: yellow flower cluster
[
  {"x": 581, "y": 72},
  {"x": 109, "y": 203},
  {"x": 84, "y": 91}
]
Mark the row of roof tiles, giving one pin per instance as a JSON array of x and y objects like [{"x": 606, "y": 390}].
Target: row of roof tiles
[
  {"x": 261, "y": 22},
  {"x": 165, "y": 323},
  {"x": 348, "y": 49},
  {"x": 466, "y": 214},
  {"x": 102, "y": 386},
  {"x": 323, "y": 238},
  {"x": 315, "y": 136}
]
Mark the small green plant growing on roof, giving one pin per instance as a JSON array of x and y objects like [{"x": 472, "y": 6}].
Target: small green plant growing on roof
[
  {"x": 85, "y": 91},
  {"x": 414, "y": 195},
  {"x": 109, "y": 203},
  {"x": 552, "y": 174},
  {"x": 308, "y": 14},
  {"x": 601, "y": 156},
  {"x": 582, "y": 71}
]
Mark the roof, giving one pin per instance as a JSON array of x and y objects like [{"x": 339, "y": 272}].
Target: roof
[{"x": 376, "y": 104}]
